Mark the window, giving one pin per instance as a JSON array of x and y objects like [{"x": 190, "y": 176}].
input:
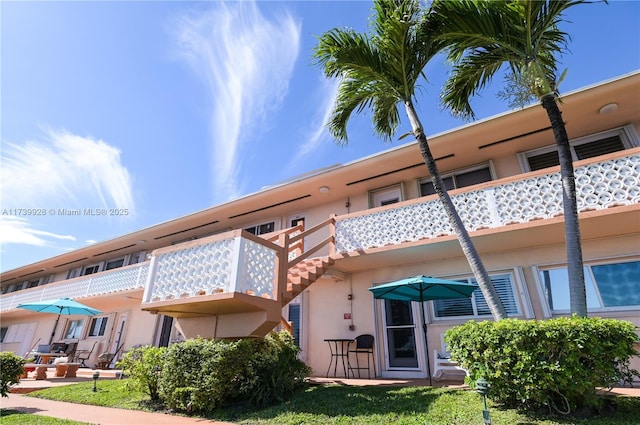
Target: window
[
  {"x": 583, "y": 148},
  {"x": 113, "y": 264},
  {"x": 294, "y": 318},
  {"x": 33, "y": 283},
  {"x": 609, "y": 286},
  {"x": 261, "y": 229},
  {"x": 3, "y": 332},
  {"x": 74, "y": 329},
  {"x": 136, "y": 257},
  {"x": 387, "y": 196},
  {"x": 456, "y": 180},
  {"x": 476, "y": 305},
  {"x": 74, "y": 273},
  {"x": 98, "y": 326},
  {"x": 94, "y": 268}
]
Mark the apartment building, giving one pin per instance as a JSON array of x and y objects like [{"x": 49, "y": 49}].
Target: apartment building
[{"x": 305, "y": 252}]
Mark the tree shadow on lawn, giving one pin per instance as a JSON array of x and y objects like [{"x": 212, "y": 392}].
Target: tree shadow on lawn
[
  {"x": 336, "y": 400},
  {"x": 354, "y": 401}
]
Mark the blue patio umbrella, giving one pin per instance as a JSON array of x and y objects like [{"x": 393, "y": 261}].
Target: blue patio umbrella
[
  {"x": 65, "y": 306},
  {"x": 420, "y": 289}
]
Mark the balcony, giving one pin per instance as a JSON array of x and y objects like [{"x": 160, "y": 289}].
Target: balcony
[
  {"x": 105, "y": 283},
  {"x": 524, "y": 201},
  {"x": 229, "y": 273}
]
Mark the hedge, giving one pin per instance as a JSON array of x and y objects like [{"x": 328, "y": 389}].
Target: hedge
[{"x": 557, "y": 363}]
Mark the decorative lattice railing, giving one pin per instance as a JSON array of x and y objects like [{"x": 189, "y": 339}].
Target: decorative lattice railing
[
  {"x": 599, "y": 186},
  {"x": 112, "y": 281},
  {"x": 213, "y": 265}
]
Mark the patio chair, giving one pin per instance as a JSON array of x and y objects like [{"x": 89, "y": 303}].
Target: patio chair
[
  {"x": 82, "y": 353},
  {"x": 42, "y": 348},
  {"x": 364, "y": 345},
  {"x": 442, "y": 362}
]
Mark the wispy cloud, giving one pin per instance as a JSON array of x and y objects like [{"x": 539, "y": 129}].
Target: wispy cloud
[
  {"x": 318, "y": 133},
  {"x": 62, "y": 171},
  {"x": 246, "y": 62},
  {"x": 16, "y": 230}
]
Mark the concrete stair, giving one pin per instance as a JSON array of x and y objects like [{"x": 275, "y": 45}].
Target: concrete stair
[{"x": 303, "y": 274}]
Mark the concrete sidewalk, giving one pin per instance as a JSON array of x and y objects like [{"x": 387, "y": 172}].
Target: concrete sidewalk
[
  {"x": 96, "y": 414},
  {"x": 83, "y": 412}
]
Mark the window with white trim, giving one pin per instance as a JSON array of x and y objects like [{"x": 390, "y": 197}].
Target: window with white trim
[
  {"x": 585, "y": 147},
  {"x": 114, "y": 264},
  {"x": 458, "y": 179},
  {"x": 476, "y": 306},
  {"x": 385, "y": 196},
  {"x": 261, "y": 229},
  {"x": 74, "y": 273},
  {"x": 609, "y": 286},
  {"x": 136, "y": 257},
  {"x": 98, "y": 326},
  {"x": 92, "y": 269},
  {"x": 74, "y": 329}
]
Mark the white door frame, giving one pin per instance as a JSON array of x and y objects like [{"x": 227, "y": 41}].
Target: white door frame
[{"x": 386, "y": 371}]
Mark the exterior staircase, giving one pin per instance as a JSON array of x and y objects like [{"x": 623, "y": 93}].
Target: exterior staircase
[
  {"x": 303, "y": 274},
  {"x": 235, "y": 284}
]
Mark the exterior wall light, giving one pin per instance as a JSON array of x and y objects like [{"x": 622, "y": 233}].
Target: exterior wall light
[
  {"x": 96, "y": 375},
  {"x": 608, "y": 108},
  {"x": 482, "y": 387},
  {"x": 324, "y": 189}
]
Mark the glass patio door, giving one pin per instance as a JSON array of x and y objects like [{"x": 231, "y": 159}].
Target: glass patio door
[{"x": 400, "y": 332}]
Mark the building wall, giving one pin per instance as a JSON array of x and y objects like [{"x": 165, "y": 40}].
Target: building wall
[{"x": 328, "y": 300}]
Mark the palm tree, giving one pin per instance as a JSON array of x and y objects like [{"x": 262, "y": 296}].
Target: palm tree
[
  {"x": 481, "y": 37},
  {"x": 381, "y": 70}
]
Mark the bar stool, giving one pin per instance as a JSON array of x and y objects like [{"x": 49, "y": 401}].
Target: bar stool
[{"x": 364, "y": 345}]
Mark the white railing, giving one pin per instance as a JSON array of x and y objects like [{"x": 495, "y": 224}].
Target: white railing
[
  {"x": 599, "y": 185},
  {"x": 104, "y": 283},
  {"x": 232, "y": 262}
]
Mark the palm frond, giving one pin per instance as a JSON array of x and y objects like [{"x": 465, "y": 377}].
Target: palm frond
[
  {"x": 523, "y": 34},
  {"x": 380, "y": 69}
]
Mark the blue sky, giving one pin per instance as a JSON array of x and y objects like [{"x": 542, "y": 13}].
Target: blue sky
[{"x": 166, "y": 108}]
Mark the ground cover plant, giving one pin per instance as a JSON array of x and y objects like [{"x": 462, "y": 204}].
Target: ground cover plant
[{"x": 356, "y": 405}]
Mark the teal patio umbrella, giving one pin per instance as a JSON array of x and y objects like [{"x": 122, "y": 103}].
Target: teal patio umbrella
[
  {"x": 420, "y": 289},
  {"x": 65, "y": 306}
]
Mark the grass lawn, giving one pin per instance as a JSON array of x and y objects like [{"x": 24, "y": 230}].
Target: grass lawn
[
  {"x": 335, "y": 404},
  {"x": 13, "y": 417}
]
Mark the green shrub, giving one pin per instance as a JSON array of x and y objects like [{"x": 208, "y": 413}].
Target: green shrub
[
  {"x": 278, "y": 369},
  {"x": 11, "y": 368},
  {"x": 144, "y": 366},
  {"x": 201, "y": 375},
  {"x": 556, "y": 363}
]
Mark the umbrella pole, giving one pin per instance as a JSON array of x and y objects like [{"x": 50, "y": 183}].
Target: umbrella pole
[
  {"x": 53, "y": 332},
  {"x": 426, "y": 342}
]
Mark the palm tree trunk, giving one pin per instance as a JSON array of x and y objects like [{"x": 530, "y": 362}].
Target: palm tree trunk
[
  {"x": 577, "y": 291},
  {"x": 477, "y": 267}
]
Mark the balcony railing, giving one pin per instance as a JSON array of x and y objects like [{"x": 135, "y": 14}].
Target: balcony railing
[
  {"x": 104, "y": 283},
  {"x": 612, "y": 181},
  {"x": 232, "y": 262}
]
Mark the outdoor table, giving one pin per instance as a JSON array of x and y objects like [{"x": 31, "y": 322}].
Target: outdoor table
[
  {"x": 339, "y": 348},
  {"x": 45, "y": 357}
]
